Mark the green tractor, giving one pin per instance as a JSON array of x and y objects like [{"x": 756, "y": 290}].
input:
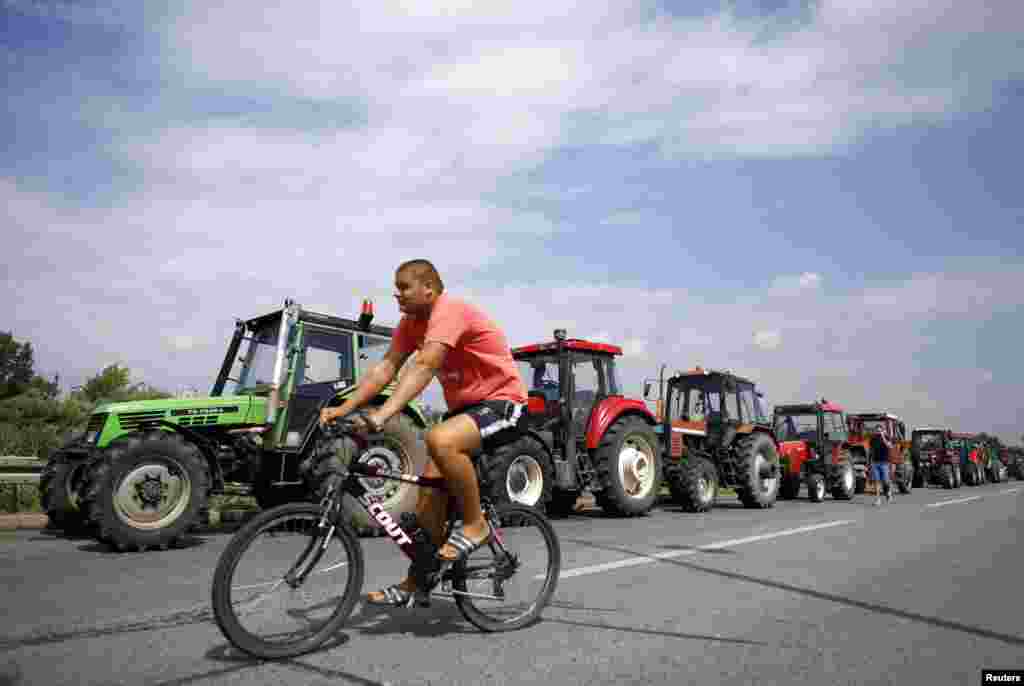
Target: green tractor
[{"x": 142, "y": 473}]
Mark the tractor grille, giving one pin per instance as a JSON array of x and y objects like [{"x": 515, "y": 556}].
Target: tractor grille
[
  {"x": 130, "y": 421},
  {"x": 199, "y": 420},
  {"x": 97, "y": 421}
]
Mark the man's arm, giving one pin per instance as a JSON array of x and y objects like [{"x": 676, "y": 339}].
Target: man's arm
[
  {"x": 379, "y": 376},
  {"x": 426, "y": 365}
]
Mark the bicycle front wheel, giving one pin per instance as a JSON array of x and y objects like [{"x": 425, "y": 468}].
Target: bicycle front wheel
[
  {"x": 508, "y": 583},
  {"x": 281, "y": 587}
]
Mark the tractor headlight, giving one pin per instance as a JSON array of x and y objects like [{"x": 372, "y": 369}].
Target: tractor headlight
[{"x": 91, "y": 436}]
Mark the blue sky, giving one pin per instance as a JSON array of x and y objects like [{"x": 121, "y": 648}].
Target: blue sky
[{"x": 822, "y": 196}]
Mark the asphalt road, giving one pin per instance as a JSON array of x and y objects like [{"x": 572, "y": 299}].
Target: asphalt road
[{"x": 926, "y": 589}]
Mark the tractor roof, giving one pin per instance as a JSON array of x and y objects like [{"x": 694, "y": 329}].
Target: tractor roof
[
  {"x": 960, "y": 434},
  {"x": 874, "y": 415},
  {"x": 700, "y": 372},
  {"x": 824, "y": 406},
  {"x": 571, "y": 344},
  {"x": 321, "y": 319},
  {"x": 930, "y": 430}
]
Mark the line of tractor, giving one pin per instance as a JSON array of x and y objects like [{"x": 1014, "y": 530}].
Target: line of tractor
[{"x": 142, "y": 473}]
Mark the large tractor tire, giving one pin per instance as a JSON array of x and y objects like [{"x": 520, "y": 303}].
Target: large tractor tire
[
  {"x": 146, "y": 490},
  {"x": 758, "y": 457},
  {"x": 696, "y": 482},
  {"x": 845, "y": 484},
  {"x": 958, "y": 479},
  {"x": 629, "y": 468},
  {"x": 399, "y": 447},
  {"x": 521, "y": 473},
  {"x": 947, "y": 476},
  {"x": 815, "y": 487},
  {"x": 59, "y": 489},
  {"x": 919, "y": 479}
]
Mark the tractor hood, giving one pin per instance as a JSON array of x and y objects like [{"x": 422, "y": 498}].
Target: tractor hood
[{"x": 111, "y": 420}]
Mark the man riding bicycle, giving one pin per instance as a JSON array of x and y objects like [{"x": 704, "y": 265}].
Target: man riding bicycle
[{"x": 472, "y": 360}]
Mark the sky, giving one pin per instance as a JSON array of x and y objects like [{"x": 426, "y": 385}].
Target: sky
[{"x": 821, "y": 196}]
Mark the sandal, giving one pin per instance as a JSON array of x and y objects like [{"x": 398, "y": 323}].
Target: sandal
[
  {"x": 465, "y": 547},
  {"x": 394, "y": 596}
]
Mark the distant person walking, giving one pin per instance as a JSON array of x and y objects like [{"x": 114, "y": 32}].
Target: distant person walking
[{"x": 880, "y": 448}]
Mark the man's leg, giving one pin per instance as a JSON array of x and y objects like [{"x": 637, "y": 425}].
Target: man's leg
[
  {"x": 450, "y": 444},
  {"x": 431, "y": 513}
]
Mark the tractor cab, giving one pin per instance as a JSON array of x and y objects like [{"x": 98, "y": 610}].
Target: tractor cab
[
  {"x": 300, "y": 360},
  {"x": 568, "y": 378},
  {"x": 820, "y": 426}
]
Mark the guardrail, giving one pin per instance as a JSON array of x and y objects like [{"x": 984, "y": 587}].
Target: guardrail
[{"x": 19, "y": 481}]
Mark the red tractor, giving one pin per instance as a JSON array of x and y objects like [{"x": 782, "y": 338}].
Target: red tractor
[
  {"x": 814, "y": 450},
  {"x": 583, "y": 431}
]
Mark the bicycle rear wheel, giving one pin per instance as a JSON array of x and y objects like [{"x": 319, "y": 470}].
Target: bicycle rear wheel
[
  {"x": 255, "y": 581},
  {"x": 506, "y": 586}
]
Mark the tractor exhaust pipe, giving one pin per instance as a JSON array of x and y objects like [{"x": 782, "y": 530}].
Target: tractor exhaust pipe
[{"x": 288, "y": 314}]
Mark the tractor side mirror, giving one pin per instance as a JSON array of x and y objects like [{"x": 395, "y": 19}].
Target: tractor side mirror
[
  {"x": 828, "y": 436},
  {"x": 647, "y": 389}
]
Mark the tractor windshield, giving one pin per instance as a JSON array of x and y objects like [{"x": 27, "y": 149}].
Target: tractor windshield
[
  {"x": 257, "y": 361},
  {"x": 929, "y": 441},
  {"x": 689, "y": 400},
  {"x": 540, "y": 373},
  {"x": 796, "y": 426}
]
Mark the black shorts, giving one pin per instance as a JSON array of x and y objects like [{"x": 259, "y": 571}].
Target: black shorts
[{"x": 499, "y": 421}]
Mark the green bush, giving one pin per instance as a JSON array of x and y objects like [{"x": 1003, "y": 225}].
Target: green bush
[{"x": 19, "y": 497}]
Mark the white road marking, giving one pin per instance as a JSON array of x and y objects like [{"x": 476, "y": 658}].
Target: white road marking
[
  {"x": 953, "y": 502},
  {"x": 1009, "y": 490},
  {"x": 647, "y": 559}
]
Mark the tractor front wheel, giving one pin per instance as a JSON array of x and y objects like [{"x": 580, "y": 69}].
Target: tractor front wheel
[
  {"x": 816, "y": 487},
  {"x": 844, "y": 485},
  {"x": 696, "y": 483},
  {"x": 146, "y": 490},
  {"x": 520, "y": 473},
  {"x": 629, "y": 467},
  {"x": 947, "y": 476},
  {"x": 759, "y": 471}
]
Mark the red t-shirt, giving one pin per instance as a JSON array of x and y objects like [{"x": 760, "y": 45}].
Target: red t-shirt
[{"x": 479, "y": 364}]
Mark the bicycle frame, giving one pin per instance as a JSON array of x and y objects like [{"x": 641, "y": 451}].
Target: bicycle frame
[{"x": 357, "y": 490}]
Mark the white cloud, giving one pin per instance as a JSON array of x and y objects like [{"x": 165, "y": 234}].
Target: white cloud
[{"x": 767, "y": 340}]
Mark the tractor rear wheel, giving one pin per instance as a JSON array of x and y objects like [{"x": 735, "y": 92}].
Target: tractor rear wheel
[
  {"x": 759, "y": 470},
  {"x": 629, "y": 467},
  {"x": 146, "y": 490},
  {"x": 59, "y": 486},
  {"x": 696, "y": 483},
  {"x": 958, "y": 480},
  {"x": 520, "y": 473},
  {"x": 399, "y": 447}
]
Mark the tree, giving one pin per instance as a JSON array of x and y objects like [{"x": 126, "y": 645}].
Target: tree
[
  {"x": 15, "y": 365},
  {"x": 106, "y": 385}
]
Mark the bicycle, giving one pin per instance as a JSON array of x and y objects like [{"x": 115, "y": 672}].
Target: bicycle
[{"x": 325, "y": 523}]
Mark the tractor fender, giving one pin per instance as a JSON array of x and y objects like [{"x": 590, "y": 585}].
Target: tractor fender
[
  {"x": 206, "y": 449},
  {"x": 608, "y": 411}
]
